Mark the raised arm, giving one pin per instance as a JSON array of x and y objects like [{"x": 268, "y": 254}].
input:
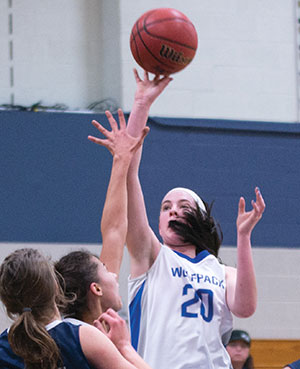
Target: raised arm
[
  {"x": 114, "y": 217},
  {"x": 241, "y": 282},
  {"x": 142, "y": 244}
]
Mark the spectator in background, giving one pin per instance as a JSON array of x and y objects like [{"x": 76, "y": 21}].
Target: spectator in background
[
  {"x": 238, "y": 348},
  {"x": 293, "y": 365}
]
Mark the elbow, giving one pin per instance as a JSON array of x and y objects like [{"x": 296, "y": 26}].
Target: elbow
[{"x": 245, "y": 311}]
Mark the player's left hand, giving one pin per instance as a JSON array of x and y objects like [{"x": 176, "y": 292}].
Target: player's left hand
[
  {"x": 147, "y": 89},
  {"x": 247, "y": 220},
  {"x": 117, "y": 329}
]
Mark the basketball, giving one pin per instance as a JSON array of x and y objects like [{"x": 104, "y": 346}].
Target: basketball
[{"x": 163, "y": 41}]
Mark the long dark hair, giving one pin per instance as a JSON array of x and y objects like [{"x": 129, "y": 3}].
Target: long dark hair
[
  {"x": 76, "y": 271},
  {"x": 199, "y": 228},
  {"x": 249, "y": 364},
  {"x": 29, "y": 290}
]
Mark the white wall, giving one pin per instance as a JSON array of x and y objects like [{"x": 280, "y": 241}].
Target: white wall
[
  {"x": 278, "y": 285},
  {"x": 244, "y": 67},
  {"x": 77, "y": 52},
  {"x": 60, "y": 52}
]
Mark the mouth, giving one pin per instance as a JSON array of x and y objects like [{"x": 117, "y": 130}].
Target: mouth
[
  {"x": 176, "y": 221},
  {"x": 173, "y": 223}
]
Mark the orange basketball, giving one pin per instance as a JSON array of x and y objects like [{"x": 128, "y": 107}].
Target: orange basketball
[{"x": 163, "y": 41}]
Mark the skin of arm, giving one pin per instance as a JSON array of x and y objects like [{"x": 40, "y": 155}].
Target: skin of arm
[
  {"x": 119, "y": 335},
  {"x": 114, "y": 217},
  {"x": 101, "y": 352},
  {"x": 142, "y": 243},
  {"x": 241, "y": 291}
]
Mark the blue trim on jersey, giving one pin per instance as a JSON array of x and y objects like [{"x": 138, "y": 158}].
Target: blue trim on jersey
[
  {"x": 135, "y": 316},
  {"x": 202, "y": 255}
]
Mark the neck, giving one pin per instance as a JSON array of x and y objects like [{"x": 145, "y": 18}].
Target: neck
[
  {"x": 93, "y": 311},
  {"x": 56, "y": 315},
  {"x": 237, "y": 365},
  {"x": 189, "y": 250},
  {"x": 89, "y": 317}
]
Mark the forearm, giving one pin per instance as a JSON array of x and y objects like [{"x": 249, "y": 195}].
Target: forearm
[
  {"x": 138, "y": 117},
  {"x": 133, "y": 357},
  {"x": 137, "y": 217},
  {"x": 245, "y": 298},
  {"x": 114, "y": 216}
]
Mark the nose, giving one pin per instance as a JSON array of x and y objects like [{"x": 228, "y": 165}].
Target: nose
[{"x": 173, "y": 212}]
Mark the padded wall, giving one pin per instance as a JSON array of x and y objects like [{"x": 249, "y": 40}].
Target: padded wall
[{"x": 53, "y": 180}]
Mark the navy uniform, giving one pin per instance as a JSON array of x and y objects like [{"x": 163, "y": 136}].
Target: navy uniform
[{"x": 66, "y": 336}]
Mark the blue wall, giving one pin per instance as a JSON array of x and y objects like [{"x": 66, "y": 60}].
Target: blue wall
[{"x": 53, "y": 180}]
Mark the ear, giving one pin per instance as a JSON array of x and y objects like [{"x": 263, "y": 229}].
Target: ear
[{"x": 96, "y": 289}]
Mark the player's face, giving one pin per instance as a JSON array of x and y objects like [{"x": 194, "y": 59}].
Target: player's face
[
  {"x": 239, "y": 351},
  {"x": 110, "y": 288},
  {"x": 173, "y": 206}
]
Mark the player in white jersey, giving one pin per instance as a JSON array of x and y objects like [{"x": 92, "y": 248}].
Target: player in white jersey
[
  {"x": 186, "y": 297},
  {"x": 178, "y": 321}
]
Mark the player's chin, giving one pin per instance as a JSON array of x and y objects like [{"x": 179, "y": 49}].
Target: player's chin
[
  {"x": 118, "y": 305},
  {"x": 172, "y": 239}
]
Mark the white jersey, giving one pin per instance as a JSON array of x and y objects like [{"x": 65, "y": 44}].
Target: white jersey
[{"x": 179, "y": 318}]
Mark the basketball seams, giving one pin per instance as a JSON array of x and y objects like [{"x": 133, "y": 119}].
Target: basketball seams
[
  {"x": 165, "y": 38},
  {"x": 135, "y": 43},
  {"x": 147, "y": 48}
]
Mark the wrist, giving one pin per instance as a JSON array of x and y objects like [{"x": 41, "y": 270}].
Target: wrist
[
  {"x": 142, "y": 103},
  {"x": 125, "y": 348},
  {"x": 123, "y": 160}
]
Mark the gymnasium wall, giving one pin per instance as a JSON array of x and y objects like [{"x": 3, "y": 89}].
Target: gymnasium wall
[
  {"x": 238, "y": 101},
  {"x": 54, "y": 184},
  {"x": 76, "y": 52}
]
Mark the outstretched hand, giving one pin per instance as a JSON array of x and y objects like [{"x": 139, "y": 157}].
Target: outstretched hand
[
  {"x": 117, "y": 329},
  {"x": 118, "y": 141},
  {"x": 148, "y": 90},
  {"x": 247, "y": 220}
]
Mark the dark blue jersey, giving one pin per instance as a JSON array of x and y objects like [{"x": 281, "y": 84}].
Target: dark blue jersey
[
  {"x": 66, "y": 336},
  {"x": 295, "y": 364}
]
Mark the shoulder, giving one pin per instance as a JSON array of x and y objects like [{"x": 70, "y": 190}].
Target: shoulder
[
  {"x": 90, "y": 332},
  {"x": 63, "y": 332},
  {"x": 95, "y": 344},
  {"x": 3, "y": 335},
  {"x": 230, "y": 272}
]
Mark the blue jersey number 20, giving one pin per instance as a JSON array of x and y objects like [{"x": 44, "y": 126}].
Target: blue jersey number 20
[{"x": 206, "y": 311}]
